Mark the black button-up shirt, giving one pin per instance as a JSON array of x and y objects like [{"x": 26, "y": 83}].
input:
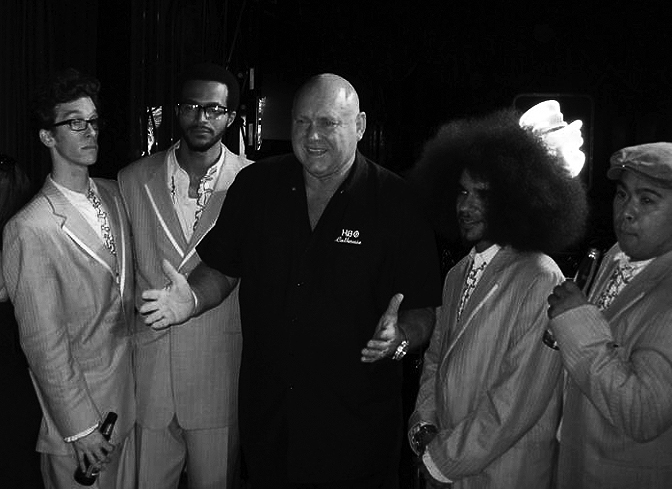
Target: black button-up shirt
[{"x": 310, "y": 300}]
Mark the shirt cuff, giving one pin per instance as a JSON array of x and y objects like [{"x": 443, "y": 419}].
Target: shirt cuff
[
  {"x": 84, "y": 433},
  {"x": 432, "y": 468}
]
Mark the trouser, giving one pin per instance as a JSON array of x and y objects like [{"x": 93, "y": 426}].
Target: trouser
[
  {"x": 58, "y": 470},
  {"x": 211, "y": 457}
]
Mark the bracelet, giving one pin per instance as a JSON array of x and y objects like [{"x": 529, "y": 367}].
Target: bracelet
[{"x": 401, "y": 350}]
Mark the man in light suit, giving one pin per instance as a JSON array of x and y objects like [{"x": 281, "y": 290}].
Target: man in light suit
[
  {"x": 187, "y": 376},
  {"x": 616, "y": 345},
  {"x": 489, "y": 400},
  {"x": 68, "y": 266},
  {"x": 325, "y": 244}
]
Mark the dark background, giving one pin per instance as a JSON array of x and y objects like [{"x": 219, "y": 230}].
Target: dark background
[{"x": 414, "y": 63}]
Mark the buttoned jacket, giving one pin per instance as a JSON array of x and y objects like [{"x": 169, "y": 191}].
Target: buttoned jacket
[
  {"x": 189, "y": 370},
  {"x": 489, "y": 383},
  {"x": 617, "y": 421},
  {"x": 74, "y": 305}
]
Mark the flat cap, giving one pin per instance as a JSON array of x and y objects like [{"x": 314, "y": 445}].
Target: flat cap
[{"x": 652, "y": 160}]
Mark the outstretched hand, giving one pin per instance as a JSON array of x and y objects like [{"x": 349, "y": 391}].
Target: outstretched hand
[
  {"x": 173, "y": 304},
  {"x": 387, "y": 336}
]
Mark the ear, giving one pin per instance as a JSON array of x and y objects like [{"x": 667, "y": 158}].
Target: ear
[
  {"x": 231, "y": 118},
  {"x": 360, "y": 122},
  {"x": 47, "y": 138}
]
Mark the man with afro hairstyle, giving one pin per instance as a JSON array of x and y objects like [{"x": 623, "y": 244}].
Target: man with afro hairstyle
[{"x": 490, "y": 393}]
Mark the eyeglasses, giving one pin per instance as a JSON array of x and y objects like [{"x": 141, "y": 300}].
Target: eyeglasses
[
  {"x": 81, "y": 124},
  {"x": 214, "y": 111}
]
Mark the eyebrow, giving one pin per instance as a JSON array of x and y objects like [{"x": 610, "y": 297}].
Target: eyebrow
[
  {"x": 78, "y": 113},
  {"x": 640, "y": 190}
]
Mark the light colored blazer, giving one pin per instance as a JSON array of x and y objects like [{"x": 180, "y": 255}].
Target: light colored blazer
[
  {"x": 489, "y": 383},
  {"x": 190, "y": 370},
  {"x": 617, "y": 420},
  {"x": 74, "y": 313}
]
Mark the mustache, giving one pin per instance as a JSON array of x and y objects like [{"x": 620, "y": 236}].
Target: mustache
[
  {"x": 468, "y": 216},
  {"x": 200, "y": 127}
]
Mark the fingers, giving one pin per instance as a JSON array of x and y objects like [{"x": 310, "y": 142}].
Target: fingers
[
  {"x": 393, "y": 306},
  {"x": 376, "y": 350},
  {"x": 153, "y": 294},
  {"x": 170, "y": 271}
]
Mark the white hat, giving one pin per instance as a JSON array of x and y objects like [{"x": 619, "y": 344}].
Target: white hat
[{"x": 565, "y": 140}]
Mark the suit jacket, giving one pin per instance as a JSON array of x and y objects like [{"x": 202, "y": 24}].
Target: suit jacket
[
  {"x": 190, "y": 370},
  {"x": 617, "y": 419},
  {"x": 74, "y": 312},
  {"x": 489, "y": 384}
]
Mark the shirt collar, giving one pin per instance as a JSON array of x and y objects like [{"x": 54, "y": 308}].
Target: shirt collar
[
  {"x": 634, "y": 266},
  {"x": 174, "y": 167},
  {"x": 484, "y": 256},
  {"x": 71, "y": 193}
]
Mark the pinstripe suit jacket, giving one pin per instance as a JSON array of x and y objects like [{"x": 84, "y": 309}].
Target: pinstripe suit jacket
[
  {"x": 74, "y": 314},
  {"x": 489, "y": 384},
  {"x": 190, "y": 370},
  {"x": 617, "y": 419}
]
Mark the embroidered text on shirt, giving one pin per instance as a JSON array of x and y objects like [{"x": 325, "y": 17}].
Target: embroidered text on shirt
[{"x": 349, "y": 236}]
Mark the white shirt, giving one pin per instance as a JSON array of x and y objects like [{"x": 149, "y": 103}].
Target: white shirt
[{"x": 186, "y": 207}]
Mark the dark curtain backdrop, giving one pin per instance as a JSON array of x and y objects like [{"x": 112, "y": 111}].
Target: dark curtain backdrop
[
  {"x": 37, "y": 37},
  {"x": 415, "y": 65},
  {"x": 136, "y": 48}
]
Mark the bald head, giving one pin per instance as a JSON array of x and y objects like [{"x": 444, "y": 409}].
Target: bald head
[
  {"x": 328, "y": 84},
  {"x": 327, "y": 125}
]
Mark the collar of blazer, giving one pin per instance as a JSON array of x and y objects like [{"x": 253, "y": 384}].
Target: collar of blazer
[
  {"x": 640, "y": 285},
  {"x": 76, "y": 227},
  {"x": 159, "y": 198},
  {"x": 486, "y": 287}
]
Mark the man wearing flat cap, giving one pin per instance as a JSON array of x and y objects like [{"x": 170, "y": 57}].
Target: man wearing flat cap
[{"x": 616, "y": 344}]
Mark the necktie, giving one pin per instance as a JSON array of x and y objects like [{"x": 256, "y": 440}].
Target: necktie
[
  {"x": 204, "y": 192},
  {"x": 620, "y": 277},
  {"x": 469, "y": 285},
  {"x": 108, "y": 239}
]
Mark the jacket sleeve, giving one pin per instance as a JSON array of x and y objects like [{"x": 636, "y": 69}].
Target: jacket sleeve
[
  {"x": 33, "y": 283},
  {"x": 528, "y": 382},
  {"x": 633, "y": 392},
  {"x": 425, "y": 405}
]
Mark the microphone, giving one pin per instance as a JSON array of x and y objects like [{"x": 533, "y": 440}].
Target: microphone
[{"x": 584, "y": 279}]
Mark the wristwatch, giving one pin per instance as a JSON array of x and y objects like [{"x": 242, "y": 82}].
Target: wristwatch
[
  {"x": 422, "y": 436},
  {"x": 401, "y": 350}
]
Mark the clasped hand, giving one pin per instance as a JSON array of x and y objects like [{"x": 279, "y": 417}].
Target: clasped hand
[
  {"x": 173, "y": 304},
  {"x": 565, "y": 296},
  {"x": 387, "y": 336},
  {"x": 95, "y": 449}
]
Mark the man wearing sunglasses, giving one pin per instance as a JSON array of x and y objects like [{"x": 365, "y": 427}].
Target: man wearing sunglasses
[
  {"x": 67, "y": 262},
  {"x": 187, "y": 376}
]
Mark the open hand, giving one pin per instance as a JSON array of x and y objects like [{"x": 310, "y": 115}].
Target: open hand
[
  {"x": 387, "y": 335},
  {"x": 173, "y": 304}
]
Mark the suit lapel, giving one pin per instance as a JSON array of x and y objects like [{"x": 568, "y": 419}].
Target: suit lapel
[
  {"x": 159, "y": 199},
  {"x": 227, "y": 173},
  {"x": 117, "y": 218},
  {"x": 638, "y": 287},
  {"x": 77, "y": 228},
  {"x": 486, "y": 287}
]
